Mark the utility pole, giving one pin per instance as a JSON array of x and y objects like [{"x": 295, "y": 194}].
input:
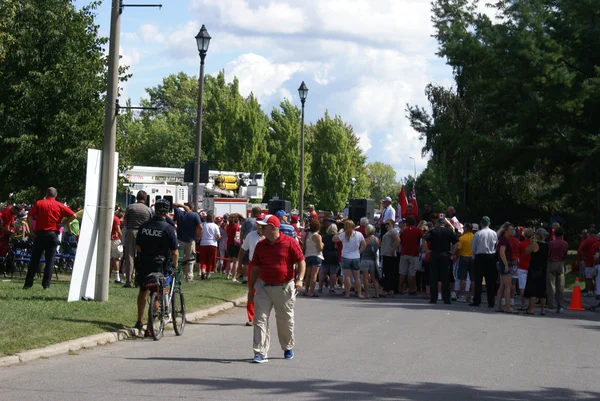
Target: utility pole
[{"x": 105, "y": 204}]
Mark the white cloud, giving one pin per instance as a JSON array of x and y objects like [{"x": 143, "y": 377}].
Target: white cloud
[
  {"x": 150, "y": 33},
  {"x": 273, "y": 17}
]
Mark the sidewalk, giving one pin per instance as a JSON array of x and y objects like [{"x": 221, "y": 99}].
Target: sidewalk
[{"x": 106, "y": 338}]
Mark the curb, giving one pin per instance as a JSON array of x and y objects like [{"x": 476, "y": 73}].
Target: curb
[{"x": 105, "y": 338}]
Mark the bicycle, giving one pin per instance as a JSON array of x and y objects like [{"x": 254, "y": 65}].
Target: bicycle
[{"x": 166, "y": 291}]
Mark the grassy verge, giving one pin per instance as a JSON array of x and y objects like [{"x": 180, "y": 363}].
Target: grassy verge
[{"x": 37, "y": 317}]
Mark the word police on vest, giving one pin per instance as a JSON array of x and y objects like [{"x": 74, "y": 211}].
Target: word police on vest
[{"x": 151, "y": 232}]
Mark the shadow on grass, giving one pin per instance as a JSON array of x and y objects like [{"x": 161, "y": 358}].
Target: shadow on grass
[
  {"x": 104, "y": 325},
  {"x": 329, "y": 390}
]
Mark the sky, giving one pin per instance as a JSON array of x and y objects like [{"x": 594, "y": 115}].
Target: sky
[{"x": 361, "y": 59}]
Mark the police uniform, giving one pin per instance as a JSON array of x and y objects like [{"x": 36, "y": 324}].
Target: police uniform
[{"x": 158, "y": 239}]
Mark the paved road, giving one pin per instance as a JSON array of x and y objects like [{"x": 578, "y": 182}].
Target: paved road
[{"x": 390, "y": 349}]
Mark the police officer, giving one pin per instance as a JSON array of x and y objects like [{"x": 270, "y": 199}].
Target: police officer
[
  {"x": 441, "y": 240},
  {"x": 157, "y": 246}
]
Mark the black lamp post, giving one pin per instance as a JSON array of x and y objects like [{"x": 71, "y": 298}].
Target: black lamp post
[
  {"x": 202, "y": 40},
  {"x": 352, "y": 182},
  {"x": 282, "y": 189},
  {"x": 303, "y": 92}
]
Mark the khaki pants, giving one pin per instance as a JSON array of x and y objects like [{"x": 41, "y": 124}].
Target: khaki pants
[
  {"x": 555, "y": 282},
  {"x": 282, "y": 298},
  {"x": 129, "y": 248},
  {"x": 188, "y": 250}
]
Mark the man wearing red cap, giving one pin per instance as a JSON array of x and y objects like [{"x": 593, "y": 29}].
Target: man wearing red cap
[{"x": 273, "y": 278}]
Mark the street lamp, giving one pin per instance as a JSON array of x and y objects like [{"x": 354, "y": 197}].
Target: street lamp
[
  {"x": 283, "y": 189},
  {"x": 352, "y": 182},
  {"x": 202, "y": 40},
  {"x": 303, "y": 92},
  {"x": 415, "y": 164}
]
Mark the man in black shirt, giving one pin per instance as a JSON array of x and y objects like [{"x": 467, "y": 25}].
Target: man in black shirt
[
  {"x": 441, "y": 240},
  {"x": 157, "y": 246}
]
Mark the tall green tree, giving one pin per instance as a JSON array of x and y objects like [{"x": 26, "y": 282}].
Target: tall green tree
[
  {"x": 382, "y": 181},
  {"x": 283, "y": 146},
  {"x": 332, "y": 162},
  {"x": 52, "y": 80},
  {"x": 519, "y": 126}
]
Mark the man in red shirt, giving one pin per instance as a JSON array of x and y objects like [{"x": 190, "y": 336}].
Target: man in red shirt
[
  {"x": 7, "y": 219},
  {"x": 410, "y": 212},
  {"x": 273, "y": 278},
  {"x": 48, "y": 215},
  {"x": 410, "y": 239},
  {"x": 585, "y": 253},
  {"x": 523, "y": 266},
  {"x": 311, "y": 211}
]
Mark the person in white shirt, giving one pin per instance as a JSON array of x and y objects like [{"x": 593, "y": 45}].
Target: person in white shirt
[
  {"x": 207, "y": 247},
  {"x": 387, "y": 213},
  {"x": 484, "y": 250},
  {"x": 249, "y": 245},
  {"x": 352, "y": 241}
]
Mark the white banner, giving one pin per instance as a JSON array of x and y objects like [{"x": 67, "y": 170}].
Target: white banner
[{"x": 83, "y": 280}]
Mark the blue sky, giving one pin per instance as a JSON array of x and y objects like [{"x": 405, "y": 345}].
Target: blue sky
[{"x": 361, "y": 59}]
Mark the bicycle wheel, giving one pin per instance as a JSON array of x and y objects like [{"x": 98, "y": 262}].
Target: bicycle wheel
[
  {"x": 156, "y": 319},
  {"x": 178, "y": 311}
]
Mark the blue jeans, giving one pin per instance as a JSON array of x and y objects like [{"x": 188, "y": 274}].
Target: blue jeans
[{"x": 350, "y": 264}]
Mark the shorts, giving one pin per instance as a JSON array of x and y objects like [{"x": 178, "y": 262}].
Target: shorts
[
  {"x": 589, "y": 272},
  {"x": 500, "y": 268},
  {"x": 465, "y": 267},
  {"x": 246, "y": 260},
  {"x": 233, "y": 251},
  {"x": 351, "y": 264},
  {"x": 116, "y": 249},
  {"x": 409, "y": 265},
  {"x": 313, "y": 261},
  {"x": 367, "y": 265},
  {"x": 207, "y": 257},
  {"x": 329, "y": 269},
  {"x": 142, "y": 278}
]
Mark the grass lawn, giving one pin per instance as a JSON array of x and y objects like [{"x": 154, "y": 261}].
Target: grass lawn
[{"x": 37, "y": 317}]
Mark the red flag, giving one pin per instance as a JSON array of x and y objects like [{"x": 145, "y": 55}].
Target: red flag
[
  {"x": 413, "y": 200},
  {"x": 402, "y": 203}
]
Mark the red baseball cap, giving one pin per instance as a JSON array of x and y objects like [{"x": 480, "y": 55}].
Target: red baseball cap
[
  {"x": 260, "y": 217},
  {"x": 269, "y": 220}
]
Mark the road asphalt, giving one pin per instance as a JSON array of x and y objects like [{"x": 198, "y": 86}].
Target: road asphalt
[{"x": 373, "y": 349}]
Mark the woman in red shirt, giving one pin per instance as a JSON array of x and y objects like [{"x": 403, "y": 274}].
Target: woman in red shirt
[
  {"x": 523, "y": 266},
  {"x": 233, "y": 246}
]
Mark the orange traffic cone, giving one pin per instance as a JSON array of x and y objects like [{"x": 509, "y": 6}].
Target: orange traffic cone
[{"x": 576, "y": 298}]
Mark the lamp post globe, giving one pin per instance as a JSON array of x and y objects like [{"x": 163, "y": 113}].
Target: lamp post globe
[
  {"x": 203, "y": 40},
  {"x": 303, "y": 93},
  {"x": 352, "y": 182},
  {"x": 283, "y": 189}
]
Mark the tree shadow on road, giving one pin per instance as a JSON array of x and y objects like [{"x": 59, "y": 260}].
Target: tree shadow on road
[{"x": 328, "y": 390}]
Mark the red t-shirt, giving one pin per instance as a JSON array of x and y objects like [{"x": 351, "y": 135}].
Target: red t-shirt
[
  {"x": 410, "y": 238},
  {"x": 48, "y": 214},
  {"x": 514, "y": 243},
  {"x": 503, "y": 241},
  {"x": 362, "y": 230},
  {"x": 114, "y": 235},
  {"x": 277, "y": 260},
  {"x": 7, "y": 217},
  {"x": 231, "y": 230},
  {"x": 524, "y": 259},
  {"x": 586, "y": 250}
]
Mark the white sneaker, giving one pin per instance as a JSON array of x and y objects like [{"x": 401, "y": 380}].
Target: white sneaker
[
  {"x": 439, "y": 296},
  {"x": 453, "y": 296},
  {"x": 462, "y": 298},
  {"x": 512, "y": 302}
]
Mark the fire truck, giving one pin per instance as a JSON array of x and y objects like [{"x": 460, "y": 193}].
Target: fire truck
[{"x": 225, "y": 191}]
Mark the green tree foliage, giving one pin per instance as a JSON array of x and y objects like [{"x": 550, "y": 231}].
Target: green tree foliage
[
  {"x": 234, "y": 129},
  {"x": 283, "y": 144},
  {"x": 333, "y": 162},
  {"x": 382, "y": 179},
  {"x": 521, "y": 117},
  {"x": 52, "y": 77}
]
